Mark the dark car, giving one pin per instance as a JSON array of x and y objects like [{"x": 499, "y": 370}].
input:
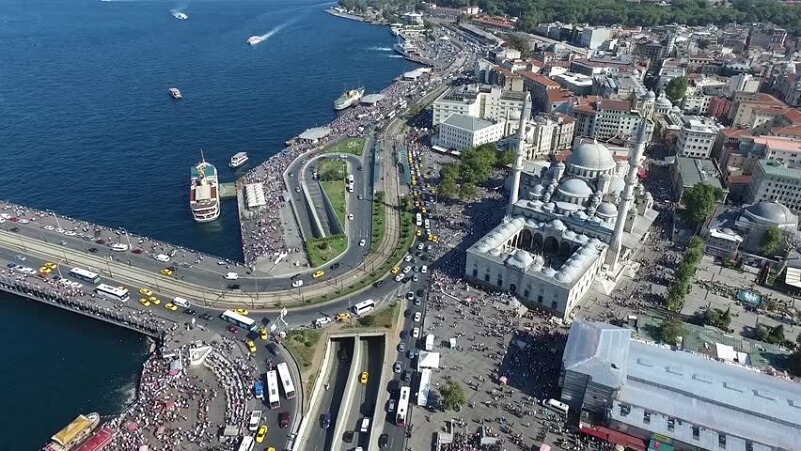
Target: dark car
[
  {"x": 92, "y": 250},
  {"x": 383, "y": 440},
  {"x": 334, "y": 266},
  {"x": 14, "y": 229},
  {"x": 283, "y": 419},
  {"x": 234, "y": 287},
  {"x": 273, "y": 348},
  {"x": 420, "y": 292},
  {"x": 379, "y": 283},
  {"x": 295, "y": 277},
  {"x": 407, "y": 313},
  {"x": 407, "y": 376},
  {"x": 397, "y": 368},
  {"x": 401, "y": 347},
  {"x": 347, "y": 437},
  {"x": 232, "y": 328},
  {"x": 404, "y": 334},
  {"x": 190, "y": 311},
  {"x": 206, "y": 317},
  {"x": 325, "y": 421},
  {"x": 359, "y": 168}
]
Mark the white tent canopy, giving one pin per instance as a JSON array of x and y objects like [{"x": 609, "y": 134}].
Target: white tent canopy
[{"x": 428, "y": 360}]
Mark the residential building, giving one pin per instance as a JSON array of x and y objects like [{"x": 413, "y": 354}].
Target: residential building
[
  {"x": 697, "y": 137},
  {"x": 547, "y": 134},
  {"x": 746, "y": 103},
  {"x": 768, "y": 37},
  {"x": 594, "y": 37},
  {"x": 605, "y": 119},
  {"x": 539, "y": 86},
  {"x": 493, "y": 104},
  {"x": 462, "y": 132},
  {"x": 656, "y": 397},
  {"x": 578, "y": 84},
  {"x": 777, "y": 182}
]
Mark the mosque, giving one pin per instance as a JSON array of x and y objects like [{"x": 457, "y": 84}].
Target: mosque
[{"x": 570, "y": 226}]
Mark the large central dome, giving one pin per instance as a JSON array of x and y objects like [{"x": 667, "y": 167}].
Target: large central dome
[{"x": 592, "y": 156}]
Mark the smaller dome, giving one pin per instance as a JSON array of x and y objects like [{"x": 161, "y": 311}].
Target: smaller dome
[
  {"x": 575, "y": 188},
  {"x": 564, "y": 276},
  {"x": 523, "y": 257},
  {"x": 606, "y": 210},
  {"x": 650, "y": 96},
  {"x": 558, "y": 225},
  {"x": 548, "y": 272},
  {"x": 773, "y": 212},
  {"x": 538, "y": 190},
  {"x": 664, "y": 102}
]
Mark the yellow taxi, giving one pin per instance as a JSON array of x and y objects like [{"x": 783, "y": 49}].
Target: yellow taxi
[
  {"x": 170, "y": 306},
  {"x": 45, "y": 270},
  {"x": 363, "y": 377},
  {"x": 344, "y": 316},
  {"x": 154, "y": 300},
  {"x": 261, "y": 434},
  {"x": 166, "y": 272},
  {"x": 318, "y": 274},
  {"x": 50, "y": 265},
  {"x": 241, "y": 311},
  {"x": 251, "y": 346},
  {"x": 271, "y": 449},
  {"x": 145, "y": 292},
  {"x": 419, "y": 232},
  {"x": 395, "y": 270},
  {"x": 263, "y": 334},
  {"x": 144, "y": 302},
  {"x": 423, "y": 210}
]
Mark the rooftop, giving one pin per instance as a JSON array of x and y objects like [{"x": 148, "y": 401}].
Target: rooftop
[
  {"x": 773, "y": 167},
  {"x": 468, "y": 123},
  {"x": 695, "y": 170}
]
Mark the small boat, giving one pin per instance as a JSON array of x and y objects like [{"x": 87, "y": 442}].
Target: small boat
[
  {"x": 179, "y": 15},
  {"x": 253, "y": 40},
  {"x": 175, "y": 93},
  {"x": 238, "y": 159}
]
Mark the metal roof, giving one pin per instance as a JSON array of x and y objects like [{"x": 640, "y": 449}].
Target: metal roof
[
  {"x": 469, "y": 123},
  {"x": 599, "y": 350}
]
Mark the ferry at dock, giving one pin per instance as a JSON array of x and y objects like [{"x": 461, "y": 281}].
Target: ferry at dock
[
  {"x": 74, "y": 433},
  {"x": 204, "y": 192},
  {"x": 175, "y": 93},
  {"x": 238, "y": 159},
  {"x": 349, "y": 98}
]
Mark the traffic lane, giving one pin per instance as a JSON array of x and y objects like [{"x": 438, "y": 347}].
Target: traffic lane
[
  {"x": 374, "y": 366},
  {"x": 331, "y": 400}
]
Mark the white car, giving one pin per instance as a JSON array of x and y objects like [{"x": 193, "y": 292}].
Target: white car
[
  {"x": 231, "y": 276},
  {"x": 399, "y": 277},
  {"x": 420, "y": 246},
  {"x": 164, "y": 258},
  {"x": 298, "y": 283},
  {"x": 424, "y": 269},
  {"x": 417, "y": 317},
  {"x": 49, "y": 227},
  {"x": 350, "y": 217},
  {"x": 70, "y": 233},
  {"x": 416, "y": 332},
  {"x": 407, "y": 269},
  {"x": 23, "y": 221},
  {"x": 5, "y": 216},
  {"x": 119, "y": 247},
  {"x": 362, "y": 243},
  {"x": 408, "y": 258}
]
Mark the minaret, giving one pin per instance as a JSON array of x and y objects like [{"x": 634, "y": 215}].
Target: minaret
[
  {"x": 635, "y": 158},
  {"x": 521, "y": 146}
]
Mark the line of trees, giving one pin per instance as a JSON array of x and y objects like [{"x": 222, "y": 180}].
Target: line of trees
[
  {"x": 610, "y": 12},
  {"x": 699, "y": 202},
  {"x": 684, "y": 274}
]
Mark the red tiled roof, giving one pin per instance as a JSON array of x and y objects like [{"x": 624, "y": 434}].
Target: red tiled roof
[
  {"x": 739, "y": 179},
  {"x": 789, "y": 130},
  {"x": 734, "y": 132},
  {"x": 771, "y": 110},
  {"x": 618, "y": 105},
  {"x": 495, "y": 21},
  {"x": 793, "y": 115},
  {"x": 504, "y": 70},
  {"x": 559, "y": 95},
  {"x": 539, "y": 79}
]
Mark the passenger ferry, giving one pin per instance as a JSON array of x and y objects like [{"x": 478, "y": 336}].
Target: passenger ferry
[
  {"x": 175, "y": 93},
  {"x": 74, "y": 433},
  {"x": 204, "y": 192},
  {"x": 349, "y": 98},
  {"x": 253, "y": 40},
  {"x": 238, "y": 159}
]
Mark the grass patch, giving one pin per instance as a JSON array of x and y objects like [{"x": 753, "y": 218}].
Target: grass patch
[
  {"x": 335, "y": 191},
  {"x": 352, "y": 146},
  {"x": 322, "y": 250},
  {"x": 301, "y": 344},
  {"x": 384, "y": 318},
  {"x": 379, "y": 222}
]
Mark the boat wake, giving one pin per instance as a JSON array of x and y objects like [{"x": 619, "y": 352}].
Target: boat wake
[
  {"x": 380, "y": 49},
  {"x": 275, "y": 30},
  {"x": 394, "y": 56}
]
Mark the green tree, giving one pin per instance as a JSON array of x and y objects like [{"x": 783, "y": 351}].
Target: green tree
[
  {"x": 670, "y": 330},
  {"x": 468, "y": 191},
  {"x": 776, "y": 335},
  {"x": 332, "y": 170},
  {"x": 771, "y": 241},
  {"x": 367, "y": 321},
  {"x": 453, "y": 396},
  {"x": 699, "y": 201},
  {"x": 676, "y": 89},
  {"x": 504, "y": 158}
]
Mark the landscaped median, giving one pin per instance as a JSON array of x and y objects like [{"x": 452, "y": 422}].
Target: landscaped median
[
  {"x": 379, "y": 220},
  {"x": 353, "y": 146},
  {"x": 332, "y": 178},
  {"x": 322, "y": 250}
]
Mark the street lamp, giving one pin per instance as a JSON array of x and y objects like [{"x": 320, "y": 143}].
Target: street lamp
[{"x": 127, "y": 237}]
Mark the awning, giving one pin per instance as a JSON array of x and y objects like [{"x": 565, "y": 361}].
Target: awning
[
  {"x": 72, "y": 430},
  {"x": 793, "y": 277},
  {"x": 615, "y": 437}
]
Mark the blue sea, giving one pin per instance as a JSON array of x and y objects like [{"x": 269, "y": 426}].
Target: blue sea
[{"x": 87, "y": 129}]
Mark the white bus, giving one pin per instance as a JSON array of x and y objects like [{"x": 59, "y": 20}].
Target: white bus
[
  {"x": 241, "y": 321},
  {"x": 86, "y": 276},
  {"x": 286, "y": 380},
  {"x": 113, "y": 293},
  {"x": 272, "y": 390},
  {"x": 403, "y": 406},
  {"x": 363, "y": 307},
  {"x": 247, "y": 443},
  {"x": 424, "y": 388}
]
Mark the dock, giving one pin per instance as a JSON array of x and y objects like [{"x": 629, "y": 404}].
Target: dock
[{"x": 227, "y": 190}]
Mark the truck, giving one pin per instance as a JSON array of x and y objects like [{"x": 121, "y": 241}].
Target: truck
[
  {"x": 430, "y": 342},
  {"x": 255, "y": 419}
]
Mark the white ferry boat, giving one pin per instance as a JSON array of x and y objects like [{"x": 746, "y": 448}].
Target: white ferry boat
[
  {"x": 349, "y": 98},
  {"x": 74, "y": 433},
  {"x": 179, "y": 15},
  {"x": 204, "y": 192},
  {"x": 238, "y": 159},
  {"x": 253, "y": 40},
  {"x": 175, "y": 93}
]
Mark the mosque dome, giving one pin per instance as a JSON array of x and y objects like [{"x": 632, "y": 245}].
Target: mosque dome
[
  {"x": 538, "y": 190},
  {"x": 664, "y": 102},
  {"x": 548, "y": 272},
  {"x": 606, "y": 210},
  {"x": 523, "y": 257},
  {"x": 773, "y": 212},
  {"x": 575, "y": 188},
  {"x": 593, "y": 156},
  {"x": 650, "y": 96},
  {"x": 557, "y": 224}
]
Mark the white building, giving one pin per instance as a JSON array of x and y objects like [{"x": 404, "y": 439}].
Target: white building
[
  {"x": 574, "y": 228},
  {"x": 494, "y": 104},
  {"x": 546, "y": 134},
  {"x": 697, "y": 137},
  {"x": 463, "y": 132},
  {"x": 593, "y": 37}
]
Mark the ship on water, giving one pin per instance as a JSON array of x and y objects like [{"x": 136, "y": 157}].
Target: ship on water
[
  {"x": 204, "y": 192},
  {"x": 253, "y": 40},
  {"x": 175, "y": 93},
  {"x": 404, "y": 48},
  {"x": 349, "y": 98},
  {"x": 74, "y": 433},
  {"x": 179, "y": 15}
]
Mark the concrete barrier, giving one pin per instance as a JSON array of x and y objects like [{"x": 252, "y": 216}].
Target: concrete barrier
[{"x": 347, "y": 395}]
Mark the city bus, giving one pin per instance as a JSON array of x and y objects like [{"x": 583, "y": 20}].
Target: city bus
[
  {"x": 286, "y": 380},
  {"x": 247, "y": 443},
  {"x": 240, "y": 321},
  {"x": 363, "y": 307},
  {"x": 113, "y": 293},
  {"x": 272, "y": 390},
  {"x": 86, "y": 276},
  {"x": 403, "y": 406}
]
